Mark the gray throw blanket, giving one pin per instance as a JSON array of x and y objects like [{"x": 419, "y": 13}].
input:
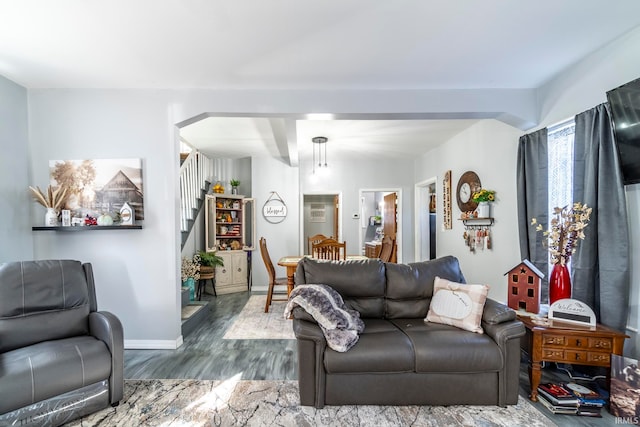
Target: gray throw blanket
[{"x": 340, "y": 324}]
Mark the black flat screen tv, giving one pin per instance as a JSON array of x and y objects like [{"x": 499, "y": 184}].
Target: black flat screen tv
[{"x": 625, "y": 110}]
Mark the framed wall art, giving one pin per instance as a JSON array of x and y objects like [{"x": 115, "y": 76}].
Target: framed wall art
[{"x": 98, "y": 186}]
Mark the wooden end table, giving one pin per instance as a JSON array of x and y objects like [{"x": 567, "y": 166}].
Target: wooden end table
[{"x": 568, "y": 343}]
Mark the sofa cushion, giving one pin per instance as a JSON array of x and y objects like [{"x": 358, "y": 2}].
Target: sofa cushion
[
  {"x": 444, "y": 348},
  {"x": 360, "y": 282},
  {"x": 40, "y": 371},
  {"x": 458, "y": 304},
  {"x": 410, "y": 286},
  {"x": 42, "y": 300},
  {"x": 382, "y": 347}
]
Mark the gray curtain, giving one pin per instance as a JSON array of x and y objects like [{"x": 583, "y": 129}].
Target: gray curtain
[
  {"x": 600, "y": 266},
  {"x": 532, "y": 176}
]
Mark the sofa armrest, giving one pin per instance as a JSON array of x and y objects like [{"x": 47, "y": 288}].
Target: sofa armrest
[
  {"x": 301, "y": 314},
  {"x": 496, "y": 312},
  {"x": 507, "y": 336},
  {"x": 505, "y": 331},
  {"x": 106, "y": 327},
  {"x": 311, "y": 375},
  {"x": 305, "y": 330}
]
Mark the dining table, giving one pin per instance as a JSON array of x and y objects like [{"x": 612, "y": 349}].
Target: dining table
[{"x": 291, "y": 263}]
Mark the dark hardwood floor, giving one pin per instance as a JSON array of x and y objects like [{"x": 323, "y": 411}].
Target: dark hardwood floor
[{"x": 205, "y": 355}]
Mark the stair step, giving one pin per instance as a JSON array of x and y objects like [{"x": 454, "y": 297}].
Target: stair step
[
  {"x": 184, "y": 293},
  {"x": 193, "y": 315}
]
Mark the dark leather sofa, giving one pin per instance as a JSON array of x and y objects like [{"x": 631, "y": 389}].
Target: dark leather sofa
[
  {"x": 399, "y": 359},
  {"x": 60, "y": 358}
]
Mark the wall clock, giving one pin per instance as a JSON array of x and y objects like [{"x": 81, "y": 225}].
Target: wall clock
[{"x": 468, "y": 184}]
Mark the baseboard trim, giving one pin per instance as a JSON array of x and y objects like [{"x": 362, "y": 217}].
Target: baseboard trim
[{"x": 153, "y": 344}]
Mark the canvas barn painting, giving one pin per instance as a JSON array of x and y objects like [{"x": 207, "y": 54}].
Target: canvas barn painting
[{"x": 99, "y": 186}]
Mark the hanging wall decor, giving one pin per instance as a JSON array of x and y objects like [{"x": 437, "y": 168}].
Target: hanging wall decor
[
  {"x": 446, "y": 200},
  {"x": 99, "y": 186},
  {"x": 274, "y": 209}
]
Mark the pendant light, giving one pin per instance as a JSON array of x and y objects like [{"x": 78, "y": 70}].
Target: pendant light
[{"x": 319, "y": 146}]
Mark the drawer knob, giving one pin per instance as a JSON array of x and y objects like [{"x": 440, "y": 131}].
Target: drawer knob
[{"x": 578, "y": 343}]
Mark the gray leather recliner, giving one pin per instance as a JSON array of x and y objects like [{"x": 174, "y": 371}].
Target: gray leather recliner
[{"x": 60, "y": 358}]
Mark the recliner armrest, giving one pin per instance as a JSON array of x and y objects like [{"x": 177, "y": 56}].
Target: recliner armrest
[
  {"x": 106, "y": 327},
  {"x": 495, "y": 312}
]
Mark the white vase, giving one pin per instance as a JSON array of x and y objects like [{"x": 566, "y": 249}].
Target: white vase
[
  {"x": 51, "y": 218},
  {"x": 484, "y": 210}
]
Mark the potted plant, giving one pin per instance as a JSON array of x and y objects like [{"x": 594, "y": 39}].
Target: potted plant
[
  {"x": 483, "y": 198},
  {"x": 209, "y": 260},
  {"x": 234, "y": 186},
  {"x": 52, "y": 200}
]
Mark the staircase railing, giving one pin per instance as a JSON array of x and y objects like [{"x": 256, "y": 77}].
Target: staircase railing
[{"x": 195, "y": 172}]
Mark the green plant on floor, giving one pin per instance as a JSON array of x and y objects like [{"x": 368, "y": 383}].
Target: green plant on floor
[{"x": 209, "y": 259}]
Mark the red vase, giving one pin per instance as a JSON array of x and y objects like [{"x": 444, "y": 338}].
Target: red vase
[{"x": 559, "y": 283}]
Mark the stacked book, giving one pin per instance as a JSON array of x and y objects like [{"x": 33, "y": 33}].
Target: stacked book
[{"x": 571, "y": 399}]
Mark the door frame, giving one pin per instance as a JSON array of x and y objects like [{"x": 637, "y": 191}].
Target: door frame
[
  {"x": 421, "y": 197},
  {"x": 399, "y": 238},
  {"x": 303, "y": 239}
]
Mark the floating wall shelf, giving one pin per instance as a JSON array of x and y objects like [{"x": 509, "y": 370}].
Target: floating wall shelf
[
  {"x": 89, "y": 228},
  {"x": 477, "y": 221}
]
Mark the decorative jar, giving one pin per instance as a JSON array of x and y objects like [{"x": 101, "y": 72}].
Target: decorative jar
[
  {"x": 484, "y": 210},
  {"x": 51, "y": 218},
  {"x": 191, "y": 284}
]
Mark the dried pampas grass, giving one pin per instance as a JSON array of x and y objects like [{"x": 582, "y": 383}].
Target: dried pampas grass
[{"x": 52, "y": 198}]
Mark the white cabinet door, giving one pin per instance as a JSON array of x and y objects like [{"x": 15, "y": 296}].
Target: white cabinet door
[
  {"x": 239, "y": 264},
  {"x": 232, "y": 277}
]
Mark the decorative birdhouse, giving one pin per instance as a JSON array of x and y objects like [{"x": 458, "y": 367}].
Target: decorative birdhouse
[{"x": 524, "y": 287}]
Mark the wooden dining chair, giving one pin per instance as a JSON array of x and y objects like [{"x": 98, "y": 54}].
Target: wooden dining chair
[
  {"x": 329, "y": 249},
  {"x": 273, "y": 280},
  {"x": 315, "y": 239},
  {"x": 386, "y": 252}
]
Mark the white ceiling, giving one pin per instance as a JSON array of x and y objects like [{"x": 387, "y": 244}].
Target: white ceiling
[{"x": 293, "y": 44}]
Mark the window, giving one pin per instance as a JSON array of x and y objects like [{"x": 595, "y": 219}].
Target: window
[{"x": 560, "y": 165}]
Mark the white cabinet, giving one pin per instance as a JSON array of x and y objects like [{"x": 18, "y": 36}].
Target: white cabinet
[
  {"x": 233, "y": 277},
  {"x": 230, "y": 223},
  {"x": 230, "y": 232}
]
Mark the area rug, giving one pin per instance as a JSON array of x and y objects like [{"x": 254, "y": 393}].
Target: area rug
[
  {"x": 260, "y": 403},
  {"x": 254, "y": 324}
]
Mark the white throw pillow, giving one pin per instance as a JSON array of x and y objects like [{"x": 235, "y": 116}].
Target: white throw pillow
[{"x": 457, "y": 304}]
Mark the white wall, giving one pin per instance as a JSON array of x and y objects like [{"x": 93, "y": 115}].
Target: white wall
[
  {"x": 270, "y": 175},
  {"x": 488, "y": 148},
  {"x": 15, "y": 225},
  {"x": 136, "y": 271}
]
